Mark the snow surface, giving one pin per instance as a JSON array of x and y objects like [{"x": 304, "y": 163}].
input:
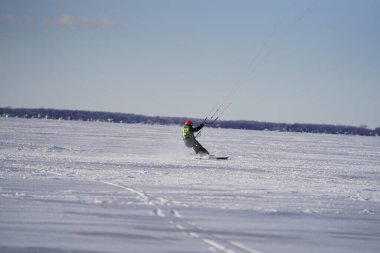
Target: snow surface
[{"x": 101, "y": 187}]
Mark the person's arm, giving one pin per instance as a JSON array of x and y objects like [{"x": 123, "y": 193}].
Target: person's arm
[{"x": 196, "y": 129}]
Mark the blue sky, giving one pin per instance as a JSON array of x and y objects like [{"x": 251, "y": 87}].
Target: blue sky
[{"x": 279, "y": 61}]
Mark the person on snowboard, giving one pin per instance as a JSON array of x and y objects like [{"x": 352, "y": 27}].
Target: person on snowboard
[{"x": 189, "y": 138}]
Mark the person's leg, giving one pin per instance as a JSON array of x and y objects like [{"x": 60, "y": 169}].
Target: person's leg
[
  {"x": 199, "y": 149},
  {"x": 188, "y": 142}
]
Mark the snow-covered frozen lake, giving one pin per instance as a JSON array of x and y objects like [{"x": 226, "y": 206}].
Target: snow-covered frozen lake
[{"x": 101, "y": 187}]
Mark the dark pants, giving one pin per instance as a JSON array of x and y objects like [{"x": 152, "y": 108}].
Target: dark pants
[{"x": 193, "y": 143}]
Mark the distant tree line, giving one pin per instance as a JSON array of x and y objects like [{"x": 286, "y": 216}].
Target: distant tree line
[{"x": 80, "y": 115}]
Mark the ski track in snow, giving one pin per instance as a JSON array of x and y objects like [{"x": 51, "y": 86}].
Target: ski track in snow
[
  {"x": 162, "y": 208},
  {"x": 279, "y": 192}
]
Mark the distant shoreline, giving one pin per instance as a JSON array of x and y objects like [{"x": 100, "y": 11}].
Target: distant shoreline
[{"x": 83, "y": 115}]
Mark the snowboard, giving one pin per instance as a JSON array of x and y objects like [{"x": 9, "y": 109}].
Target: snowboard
[
  {"x": 212, "y": 157},
  {"x": 218, "y": 158}
]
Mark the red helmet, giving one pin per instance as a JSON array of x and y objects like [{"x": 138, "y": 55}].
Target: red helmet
[{"x": 188, "y": 123}]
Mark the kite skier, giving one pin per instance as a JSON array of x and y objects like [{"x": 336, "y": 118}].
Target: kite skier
[{"x": 190, "y": 139}]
